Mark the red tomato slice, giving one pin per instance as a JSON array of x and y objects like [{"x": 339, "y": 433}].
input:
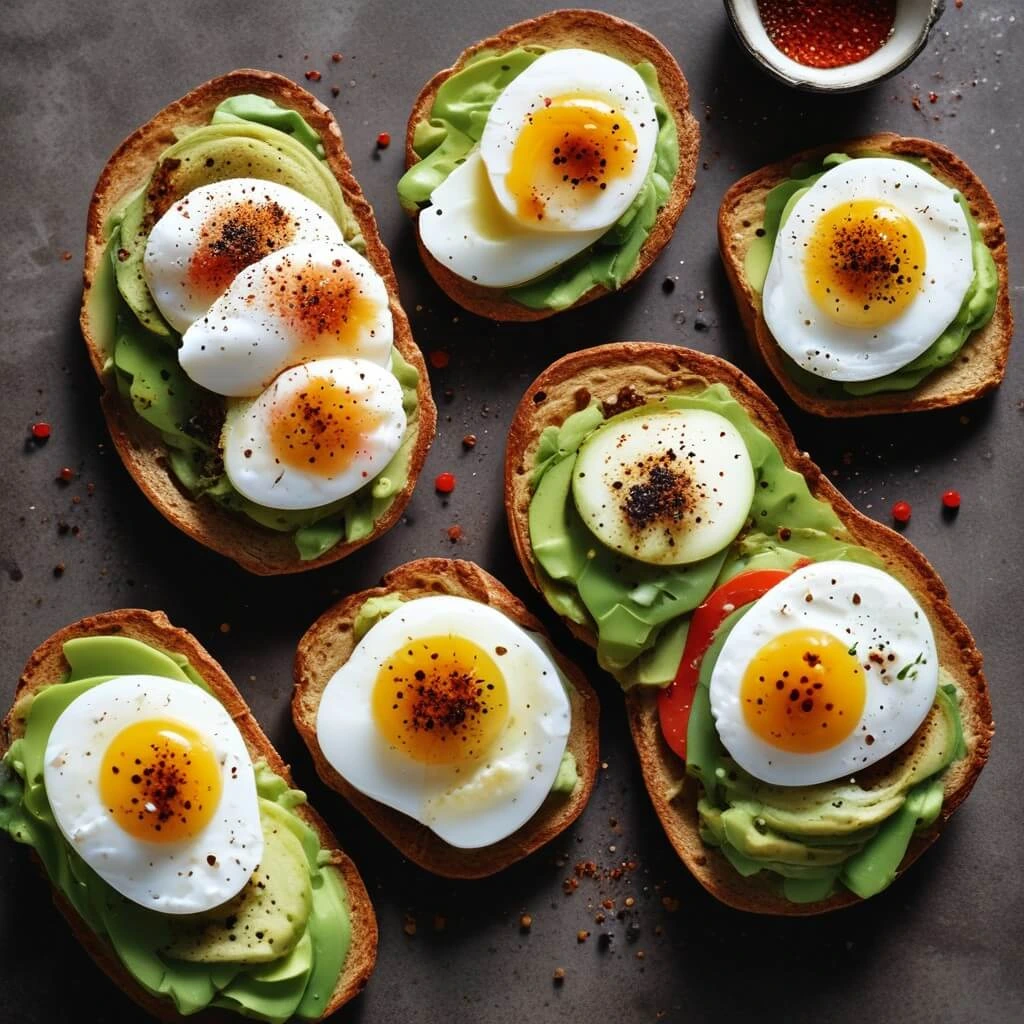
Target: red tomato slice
[{"x": 674, "y": 701}]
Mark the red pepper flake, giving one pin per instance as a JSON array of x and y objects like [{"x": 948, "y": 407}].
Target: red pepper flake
[
  {"x": 547, "y": 101},
  {"x": 335, "y": 58},
  {"x": 559, "y": 976},
  {"x": 525, "y": 922},
  {"x": 455, "y": 533},
  {"x": 66, "y": 256},
  {"x": 66, "y": 475},
  {"x": 444, "y": 483},
  {"x": 313, "y": 76},
  {"x": 933, "y": 97},
  {"x": 383, "y": 140},
  {"x": 41, "y": 430},
  {"x": 916, "y": 102},
  {"x": 828, "y": 33},
  {"x": 439, "y": 359},
  {"x": 951, "y": 500},
  {"x": 901, "y": 511},
  {"x": 469, "y": 442}
]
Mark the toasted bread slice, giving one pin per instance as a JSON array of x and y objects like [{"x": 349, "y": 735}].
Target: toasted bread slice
[
  {"x": 606, "y": 34},
  {"x": 981, "y": 363},
  {"x": 47, "y": 665},
  {"x": 329, "y": 643},
  {"x": 631, "y": 373},
  {"x": 256, "y": 548}
]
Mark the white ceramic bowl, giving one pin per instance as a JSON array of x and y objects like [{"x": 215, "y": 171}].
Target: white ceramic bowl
[{"x": 914, "y": 20}]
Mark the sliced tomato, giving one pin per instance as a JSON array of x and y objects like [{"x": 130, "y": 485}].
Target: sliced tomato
[{"x": 675, "y": 700}]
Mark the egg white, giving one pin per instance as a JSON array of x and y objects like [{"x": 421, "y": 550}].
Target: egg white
[
  {"x": 243, "y": 341},
  {"x": 473, "y": 804},
  {"x": 838, "y": 352},
  {"x": 178, "y": 235},
  {"x": 863, "y": 607},
  {"x": 172, "y": 878}
]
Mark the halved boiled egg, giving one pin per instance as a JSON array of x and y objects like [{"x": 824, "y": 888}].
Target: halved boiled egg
[
  {"x": 200, "y": 245},
  {"x": 318, "y": 433},
  {"x": 451, "y": 713},
  {"x": 151, "y": 784},
  {"x": 870, "y": 267},
  {"x": 667, "y": 487},
  {"x": 306, "y": 301}
]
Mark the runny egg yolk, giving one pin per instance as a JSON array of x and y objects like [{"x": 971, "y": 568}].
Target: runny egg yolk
[
  {"x": 441, "y": 700},
  {"x": 865, "y": 263},
  {"x": 803, "y": 692},
  {"x": 320, "y": 429},
  {"x": 570, "y": 149},
  {"x": 160, "y": 781}
]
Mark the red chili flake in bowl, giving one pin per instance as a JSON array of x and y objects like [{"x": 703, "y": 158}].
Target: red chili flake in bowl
[
  {"x": 383, "y": 140},
  {"x": 827, "y": 33},
  {"x": 901, "y": 511},
  {"x": 444, "y": 483}
]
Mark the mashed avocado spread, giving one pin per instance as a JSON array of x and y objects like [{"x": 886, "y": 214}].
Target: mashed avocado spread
[
  {"x": 455, "y": 126},
  {"x": 250, "y": 136},
  {"x": 976, "y": 310},
  {"x": 214, "y": 959}
]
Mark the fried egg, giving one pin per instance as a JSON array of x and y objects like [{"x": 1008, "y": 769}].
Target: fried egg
[
  {"x": 831, "y": 670},
  {"x": 565, "y": 150},
  {"x": 200, "y": 245},
  {"x": 151, "y": 784},
  {"x": 451, "y": 713},
  {"x": 318, "y": 433},
  {"x": 305, "y": 301},
  {"x": 665, "y": 488},
  {"x": 870, "y": 267}
]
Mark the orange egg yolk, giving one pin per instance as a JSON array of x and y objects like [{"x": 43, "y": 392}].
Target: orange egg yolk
[
  {"x": 570, "y": 149},
  {"x": 803, "y": 692},
  {"x": 441, "y": 700},
  {"x": 160, "y": 781},
  {"x": 320, "y": 429},
  {"x": 865, "y": 263}
]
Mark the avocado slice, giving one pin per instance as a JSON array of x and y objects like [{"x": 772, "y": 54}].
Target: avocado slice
[
  {"x": 266, "y": 920},
  {"x": 127, "y": 247}
]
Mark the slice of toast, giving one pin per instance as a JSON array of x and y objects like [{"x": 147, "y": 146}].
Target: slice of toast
[
  {"x": 329, "y": 643},
  {"x": 47, "y": 665},
  {"x": 605, "y": 34},
  {"x": 256, "y": 548},
  {"x": 631, "y": 373},
  {"x": 981, "y": 363}
]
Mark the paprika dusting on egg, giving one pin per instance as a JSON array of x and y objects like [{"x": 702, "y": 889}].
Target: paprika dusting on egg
[{"x": 828, "y": 33}]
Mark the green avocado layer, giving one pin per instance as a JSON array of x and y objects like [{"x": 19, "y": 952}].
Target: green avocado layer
[
  {"x": 815, "y": 838},
  {"x": 374, "y": 609},
  {"x": 454, "y": 128},
  {"x": 976, "y": 310},
  {"x": 187, "y": 959},
  {"x": 638, "y": 611},
  {"x": 251, "y": 136}
]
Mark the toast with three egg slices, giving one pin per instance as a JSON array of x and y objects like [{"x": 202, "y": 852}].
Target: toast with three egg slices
[
  {"x": 629, "y": 374},
  {"x": 256, "y": 548},
  {"x": 981, "y": 363},
  {"x": 606, "y": 34},
  {"x": 47, "y": 664},
  {"x": 329, "y": 643}
]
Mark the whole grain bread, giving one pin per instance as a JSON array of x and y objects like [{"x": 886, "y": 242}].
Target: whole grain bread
[
  {"x": 631, "y": 373},
  {"x": 329, "y": 643},
  {"x": 981, "y": 363},
  {"x": 256, "y": 548},
  {"x": 47, "y": 665},
  {"x": 606, "y": 34}
]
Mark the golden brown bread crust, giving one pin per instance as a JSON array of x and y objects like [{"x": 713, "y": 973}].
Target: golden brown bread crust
[
  {"x": 47, "y": 665},
  {"x": 328, "y": 644},
  {"x": 981, "y": 363},
  {"x": 252, "y": 546},
  {"x": 647, "y": 370},
  {"x": 616, "y": 38}
]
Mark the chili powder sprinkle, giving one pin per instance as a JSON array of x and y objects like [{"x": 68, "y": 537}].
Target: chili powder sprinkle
[{"x": 828, "y": 33}]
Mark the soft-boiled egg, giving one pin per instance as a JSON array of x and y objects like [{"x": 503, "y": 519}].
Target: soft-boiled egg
[
  {"x": 829, "y": 672},
  {"x": 870, "y": 267},
  {"x": 318, "y": 433},
  {"x": 201, "y": 244},
  {"x": 305, "y": 301},
  {"x": 451, "y": 713},
  {"x": 665, "y": 487},
  {"x": 151, "y": 784},
  {"x": 564, "y": 151}
]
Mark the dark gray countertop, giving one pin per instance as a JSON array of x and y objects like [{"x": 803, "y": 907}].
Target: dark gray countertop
[{"x": 943, "y": 944}]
